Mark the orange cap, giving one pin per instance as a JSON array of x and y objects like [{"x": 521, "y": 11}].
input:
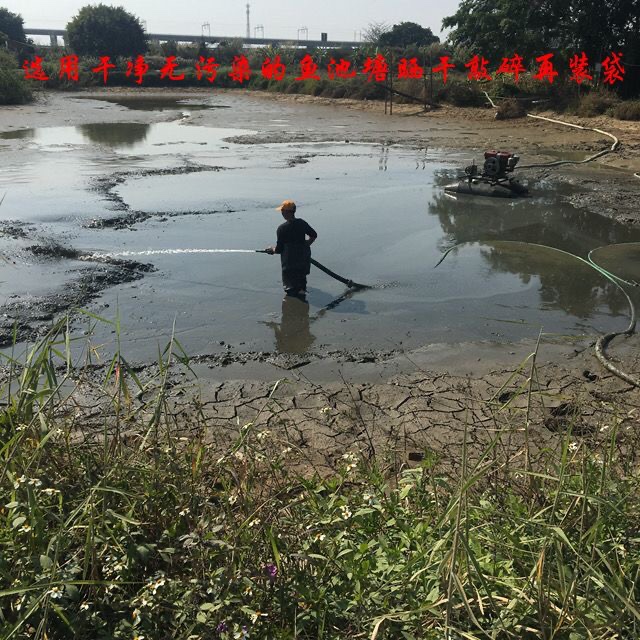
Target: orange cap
[{"x": 287, "y": 205}]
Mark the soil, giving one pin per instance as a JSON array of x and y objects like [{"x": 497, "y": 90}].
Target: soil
[
  {"x": 403, "y": 404},
  {"x": 400, "y": 419}
]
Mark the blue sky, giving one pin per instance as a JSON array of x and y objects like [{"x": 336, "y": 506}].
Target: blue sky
[{"x": 280, "y": 18}]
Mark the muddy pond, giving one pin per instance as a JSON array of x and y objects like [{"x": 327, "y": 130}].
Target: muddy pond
[{"x": 81, "y": 201}]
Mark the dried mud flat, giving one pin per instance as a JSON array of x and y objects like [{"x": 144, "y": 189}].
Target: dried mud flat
[
  {"x": 399, "y": 420},
  {"x": 404, "y": 414}
]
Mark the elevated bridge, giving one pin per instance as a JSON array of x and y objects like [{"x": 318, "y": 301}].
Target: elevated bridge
[{"x": 54, "y": 34}]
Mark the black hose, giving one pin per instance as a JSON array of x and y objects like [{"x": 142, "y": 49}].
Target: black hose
[{"x": 350, "y": 283}]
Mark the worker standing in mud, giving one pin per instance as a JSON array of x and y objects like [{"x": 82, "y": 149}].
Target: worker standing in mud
[{"x": 294, "y": 239}]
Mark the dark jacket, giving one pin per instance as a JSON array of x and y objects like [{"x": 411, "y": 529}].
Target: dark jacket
[{"x": 295, "y": 253}]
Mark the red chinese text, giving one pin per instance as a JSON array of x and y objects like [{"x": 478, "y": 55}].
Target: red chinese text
[
  {"x": 341, "y": 69},
  {"x": 137, "y": 68},
  {"x": 168, "y": 69},
  {"x": 410, "y": 69},
  {"x": 104, "y": 67},
  {"x": 478, "y": 68},
  {"x": 308, "y": 69},
  {"x": 377, "y": 68},
  {"x": 612, "y": 68},
  {"x": 33, "y": 70},
  {"x": 240, "y": 69},
  {"x": 208, "y": 67},
  {"x": 273, "y": 69},
  {"x": 443, "y": 68},
  {"x": 69, "y": 67},
  {"x": 545, "y": 70},
  {"x": 579, "y": 66},
  {"x": 512, "y": 66}
]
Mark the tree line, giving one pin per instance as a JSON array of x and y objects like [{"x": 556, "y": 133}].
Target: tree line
[{"x": 491, "y": 28}]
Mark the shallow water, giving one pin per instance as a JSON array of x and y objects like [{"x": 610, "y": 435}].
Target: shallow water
[{"x": 381, "y": 216}]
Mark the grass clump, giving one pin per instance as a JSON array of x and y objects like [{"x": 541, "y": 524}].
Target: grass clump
[
  {"x": 144, "y": 530},
  {"x": 595, "y": 104},
  {"x": 13, "y": 86},
  {"x": 461, "y": 93},
  {"x": 629, "y": 110},
  {"x": 510, "y": 108}
]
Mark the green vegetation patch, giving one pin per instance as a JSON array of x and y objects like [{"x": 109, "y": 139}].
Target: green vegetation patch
[{"x": 144, "y": 529}]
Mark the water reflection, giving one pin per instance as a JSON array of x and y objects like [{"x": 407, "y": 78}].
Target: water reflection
[
  {"x": 123, "y": 134},
  {"x": 20, "y": 134},
  {"x": 293, "y": 333},
  {"x": 565, "y": 283},
  {"x": 157, "y": 104}
]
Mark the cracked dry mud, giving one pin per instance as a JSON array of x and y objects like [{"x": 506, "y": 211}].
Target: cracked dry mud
[{"x": 400, "y": 420}]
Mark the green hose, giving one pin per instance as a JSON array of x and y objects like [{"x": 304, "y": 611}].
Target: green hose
[{"x": 603, "y": 341}]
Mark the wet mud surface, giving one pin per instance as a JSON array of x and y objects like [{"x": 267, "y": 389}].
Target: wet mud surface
[
  {"x": 145, "y": 177},
  {"x": 28, "y": 318}
]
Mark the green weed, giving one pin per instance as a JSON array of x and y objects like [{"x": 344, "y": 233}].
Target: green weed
[{"x": 142, "y": 531}]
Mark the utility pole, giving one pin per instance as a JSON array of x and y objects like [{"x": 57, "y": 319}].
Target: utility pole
[
  {"x": 248, "y": 22},
  {"x": 206, "y": 27},
  {"x": 258, "y": 29}
]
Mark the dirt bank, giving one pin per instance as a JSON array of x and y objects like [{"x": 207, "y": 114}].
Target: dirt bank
[{"x": 399, "y": 419}]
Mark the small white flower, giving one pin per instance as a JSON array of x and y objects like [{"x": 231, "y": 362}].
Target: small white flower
[
  {"x": 286, "y": 450},
  {"x": 351, "y": 459},
  {"x": 238, "y": 455},
  {"x": 254, "y": 523},
  {"x": 233, "y": 498},
  {"x": 50, "y": 491},
  {"x": 25, "y": 528},
  {"x": 325, "y": 409},
  {"x": 84, "y": 606},
  {"x": 320, "y": 537},
  {"x": 184, "y": 512},
  {"x": 154, "y": 586},
  {"x": 55, "y": 593},
  {"x": 263, "y": 435},
  {"x": 346, "y": 512},
  {"x": 34, "y": 482},
  {"x": 257, "y": 614},
  {"x": 573, "y": 446}
]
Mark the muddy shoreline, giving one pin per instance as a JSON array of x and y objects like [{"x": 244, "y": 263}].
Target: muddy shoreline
[{"x": 606, "y": 187}]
